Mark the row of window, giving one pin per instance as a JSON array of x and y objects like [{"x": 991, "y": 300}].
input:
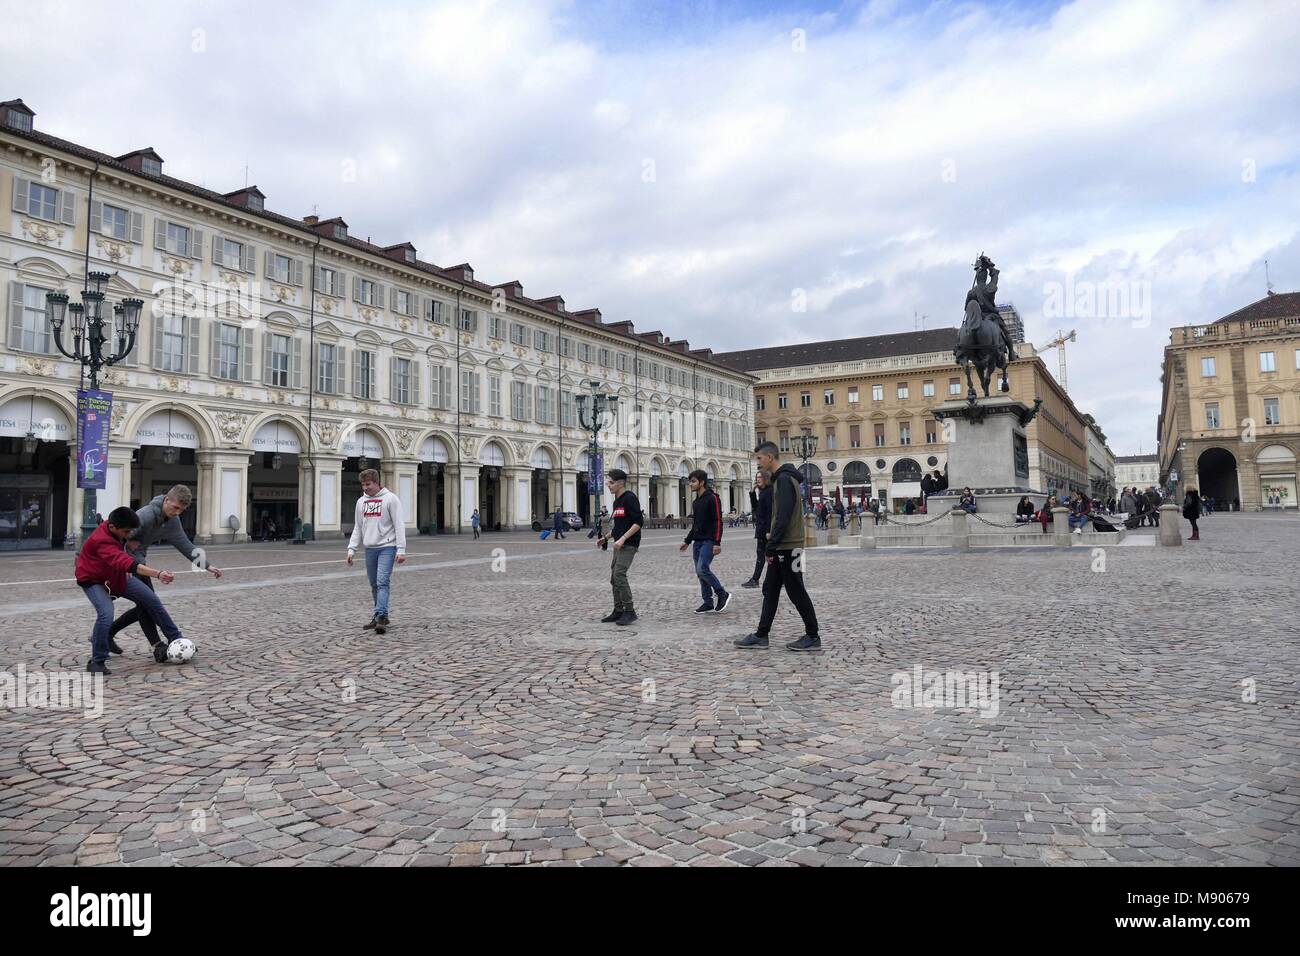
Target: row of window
[
  {"x": 1272, "y": 413},
  {"x": 877, "y": 394},
  {"x": 1267, "y": 363},
  {"x": 831, "y": 440}
]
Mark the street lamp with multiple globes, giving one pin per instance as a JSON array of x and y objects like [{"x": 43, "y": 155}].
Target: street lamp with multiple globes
[
  {"x": 805, "y": 447},
  {"x": 592, "y": 410},
  {"x": 87, "y": 325}
]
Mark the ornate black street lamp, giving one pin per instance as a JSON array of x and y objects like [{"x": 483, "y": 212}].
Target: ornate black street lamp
[
  {"x": 89, "y": 337},
  {"x": 592, "y": 410},
  {"x": 805, "y": 447}
]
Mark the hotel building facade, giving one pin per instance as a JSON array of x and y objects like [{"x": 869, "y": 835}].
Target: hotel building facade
[{"x": 277, "y": 356}]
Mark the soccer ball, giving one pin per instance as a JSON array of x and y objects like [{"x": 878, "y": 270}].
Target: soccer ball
[{"x": 180, "y": 650}]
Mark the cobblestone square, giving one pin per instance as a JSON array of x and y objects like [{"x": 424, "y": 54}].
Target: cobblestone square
[{"x": 499, "y": 723}]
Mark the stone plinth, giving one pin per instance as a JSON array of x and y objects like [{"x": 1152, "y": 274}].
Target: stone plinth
[{"x": 988, "y": 450}]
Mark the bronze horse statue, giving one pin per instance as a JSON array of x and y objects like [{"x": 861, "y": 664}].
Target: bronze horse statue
[{"x": 983, "y": 341}]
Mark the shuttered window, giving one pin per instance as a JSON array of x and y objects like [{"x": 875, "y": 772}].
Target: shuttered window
[
  {"x": 363, "y": 374},
  {"x": 176, "y": 344},
  {"x": 29, "y": 329},
  {"x": 469, "y": 392},
  {"x": 440, "y": 386},
  {"x": 518, "y": 334},
  {"x": 494, "y": 396},
  {"x": 279, "y": 355}
]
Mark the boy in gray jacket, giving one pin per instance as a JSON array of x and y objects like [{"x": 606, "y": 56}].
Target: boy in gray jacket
[{"x": 380, "y": 527}]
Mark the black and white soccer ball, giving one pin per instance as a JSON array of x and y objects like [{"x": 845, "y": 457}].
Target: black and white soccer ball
[{"x": 180, "y": 650}]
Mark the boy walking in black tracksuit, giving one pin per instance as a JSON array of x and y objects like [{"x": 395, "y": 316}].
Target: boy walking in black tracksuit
[
  {"x": 785, "y": 550},
  {"x": 706, "y": 536}
]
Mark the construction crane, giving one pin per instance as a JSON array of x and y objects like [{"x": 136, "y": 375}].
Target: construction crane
[{"x": 1059, "y": 342}]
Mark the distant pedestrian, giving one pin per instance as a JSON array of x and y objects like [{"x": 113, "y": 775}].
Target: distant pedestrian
[
  {"x": 967, "y": 502},
  {"x": 1192, "y": 512},
  {"x": 1080, "y": 512},
  {"x": 624, "y": 539},
  {"x": 378, "y": 525},
  {"x": 785, "y": 550},
  {"x": 760, "y": 504},
  {"x": 1153, "y": 506},
  {"x": 706, "y": 538},
  {"x": 475, "y": 522},
  {"x": 1024, "y": 510},
  {"x": 557, "y": 525}
]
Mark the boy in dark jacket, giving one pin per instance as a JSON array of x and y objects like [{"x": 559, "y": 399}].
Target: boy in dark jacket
[
  {"x": 706, "y": 535},
  {"x": 785, "y": 552},
  {"x": 105, "y": 570},
  {"x": 760, "y": 504}
]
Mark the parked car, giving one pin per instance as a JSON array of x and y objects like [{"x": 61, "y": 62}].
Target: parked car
[{"x": 572, "y": 519}]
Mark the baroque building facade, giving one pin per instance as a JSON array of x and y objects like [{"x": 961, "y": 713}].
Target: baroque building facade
[{"x": 277, "y": 356}]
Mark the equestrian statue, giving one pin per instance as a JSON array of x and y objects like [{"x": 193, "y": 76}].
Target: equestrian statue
[{"x": 984, "y": 341}]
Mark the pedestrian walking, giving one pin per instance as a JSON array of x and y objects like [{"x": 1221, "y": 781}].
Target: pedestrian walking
[
  {"x": 380, "y": 527},
  {"x": 706, "y": 538},
  {"x": 760, "y": 505},
  {"x": 1192, "y": 512},
  {"x": 105, "y": 570},
  {"x": 784, "y": 555},
  {"x": 557, "y": 525},
  {"x": 624, "y": 539},
  {"x": 475, "y": 522},
  {"x": 160, "y": 522},
  {"x": 1153, "y": 506}
]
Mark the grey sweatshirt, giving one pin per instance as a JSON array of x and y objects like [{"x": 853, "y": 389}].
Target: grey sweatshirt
[{"x": 156, "y": 527}]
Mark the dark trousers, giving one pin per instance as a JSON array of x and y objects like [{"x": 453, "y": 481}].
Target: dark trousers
[
  {"x": 761, "y": 562},
  {"x": 782, "y": 573},
  {"x": 138, "y": 615}
]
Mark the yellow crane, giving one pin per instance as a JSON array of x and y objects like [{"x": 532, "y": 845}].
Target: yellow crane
[{"x": 1059, "y": 342}]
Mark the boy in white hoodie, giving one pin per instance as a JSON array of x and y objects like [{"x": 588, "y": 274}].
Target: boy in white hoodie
[{"x": 380, "y": 527}]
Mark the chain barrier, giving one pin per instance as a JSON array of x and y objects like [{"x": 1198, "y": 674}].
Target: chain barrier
[
  {"x": 915, "y": 524},
  {"x": 994, "y": 524}
]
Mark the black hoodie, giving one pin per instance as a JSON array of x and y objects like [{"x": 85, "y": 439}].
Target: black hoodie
[{"x": 787, "y": 529}]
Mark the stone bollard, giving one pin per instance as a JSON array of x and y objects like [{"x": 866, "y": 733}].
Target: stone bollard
[
  {"x": 960, "y": 530},
  {"x": 867, "y": 536},
  {"x": 1061, "y": 527},
  {"x": 833, "y": 534},
  {"x": 1171, "y": 528},
  {"x": 855, "y": 523},
  {"x": 810, "y": 530}
]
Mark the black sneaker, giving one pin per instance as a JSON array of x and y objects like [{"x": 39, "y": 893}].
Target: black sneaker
[
  {"x": 726, "y": 600},
  {"x": 751, "y": 640},
  {"x": 612, "y": 617},
  {"x": 381, "y": 624},
  {"x": 160, "y": 652},
  {"x": 112, "y": 646},
  {"x": 98, "y": 667},
  {"x": 704, "y": 609},
  {"x": 751, "y": 583},
  {"x": 371, "y": 626},
  {"x": 629, "y": 616},
  {"x": 805, "y": 643}
]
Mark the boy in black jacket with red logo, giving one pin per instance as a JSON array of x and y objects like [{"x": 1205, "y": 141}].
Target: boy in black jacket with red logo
[{"x": 706, "y": 535}]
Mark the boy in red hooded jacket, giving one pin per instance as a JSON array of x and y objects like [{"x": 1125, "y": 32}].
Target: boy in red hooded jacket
[{"x": 105, "y": 571}]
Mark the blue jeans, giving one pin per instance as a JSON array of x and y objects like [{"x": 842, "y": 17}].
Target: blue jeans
[
  {"x": 1079, "y": 521},
  {"x": 379, "y": 568},
  {"x": 137, "y": 592},
  {"x": 709, "y": 584}
]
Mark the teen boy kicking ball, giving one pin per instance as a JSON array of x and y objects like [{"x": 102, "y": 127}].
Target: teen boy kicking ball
[{"x": 105, "y": 571}]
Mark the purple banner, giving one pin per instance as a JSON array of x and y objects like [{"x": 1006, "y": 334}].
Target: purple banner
[
  {"x": 595, "y": 473},
  {"x": 94, "y": 414}
]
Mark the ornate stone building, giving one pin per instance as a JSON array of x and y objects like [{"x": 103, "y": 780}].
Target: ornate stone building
[
  {"x": 277, "y": 356},
  {"x": 868, "y": 399},
  {"x": 1230, "y": 407}
]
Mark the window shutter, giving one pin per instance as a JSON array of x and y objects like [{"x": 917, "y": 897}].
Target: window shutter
[
  {"x": 246, "y": 354},
  {"x": 267, "y": 359},
  {"x": 160, "y": 234},
  {"x": 137, "y": 227},
  {"x": 20, "y": 194},
  {"x": 192, "y": 329},
  {"x": 157, "y": 341},
  {"x": 196, "y": 244},
  {"x": 415, "y": 382},
  {"x": 319, "y": 280},
  {"x": 249, "y": 263},
  {"x": 435, "y": 384},
  {"x": 392, "y": 378},
  {"x": 214, "y": 362},
  {"x": 295, "y": 272},
  {"x": 340, "y": 284},
  {"x": 270, "y": 264},
  {"x": 356, "y": 373},
  {"x": 217, "y": 251},
  {"x": 377, "y": 299},
  {"x": 528, "y": 403},
  {"x": 96, "y": 216},
  {"x": 446, "y": 388},
  {"x": 15, "y": 339},
  {"x": 341, "y": 370},
  {"x": 356, "y": 288},
  {"x": 392, "y": 297},
  {"x": 67, "y": 207},
  {"x": 297, "y": 362}
]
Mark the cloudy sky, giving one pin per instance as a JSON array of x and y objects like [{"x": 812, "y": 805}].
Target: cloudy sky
[{"x": 703, "y": 168}]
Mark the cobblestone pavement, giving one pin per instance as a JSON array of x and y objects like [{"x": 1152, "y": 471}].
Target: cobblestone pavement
[{"x": 498, "y": 723}]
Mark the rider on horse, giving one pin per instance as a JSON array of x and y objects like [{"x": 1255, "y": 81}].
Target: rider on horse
[{"x": 983, "y": 292}]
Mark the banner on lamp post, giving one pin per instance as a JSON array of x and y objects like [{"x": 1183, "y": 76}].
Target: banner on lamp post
[
  {"x": 94, "y": 415},
  {"x": 595, "y": 471}
]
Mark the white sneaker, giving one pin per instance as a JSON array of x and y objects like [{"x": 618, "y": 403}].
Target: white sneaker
[{"x": 1078, "y": 531}]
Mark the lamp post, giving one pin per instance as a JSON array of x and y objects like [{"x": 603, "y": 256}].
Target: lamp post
[
  {"x": 88, "y": 340},
  {"x": 592, "y": 410},
  {"x": 805, "y": 447}
]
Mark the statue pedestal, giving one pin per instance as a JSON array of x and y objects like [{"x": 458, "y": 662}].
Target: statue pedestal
[{"x": 988, "y": 452}]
